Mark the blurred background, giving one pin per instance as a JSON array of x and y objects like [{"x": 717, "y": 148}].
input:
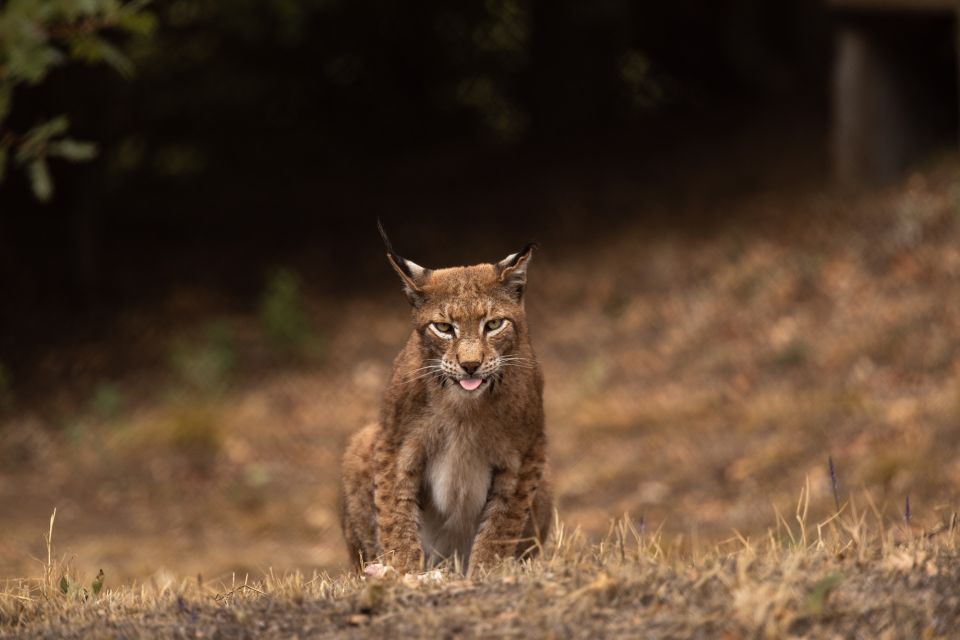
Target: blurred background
[{"x": 749, "y": 215}]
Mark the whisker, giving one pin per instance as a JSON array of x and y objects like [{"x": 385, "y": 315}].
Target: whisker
[
  {"x": 433, "y": 362},
  {"x": 432, "y": 371},
  {"x": 426, "y": 375},
  {"x": 415, "y": 371},
  {"x": 430, "y": 366}
]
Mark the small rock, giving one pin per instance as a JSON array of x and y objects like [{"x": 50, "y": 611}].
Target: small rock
[
  {"x": 377, "y": 570},
  {"x": 357, "y": 620}
]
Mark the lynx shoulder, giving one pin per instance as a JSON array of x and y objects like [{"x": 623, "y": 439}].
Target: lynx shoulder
[{"x": 453, "y": 469}]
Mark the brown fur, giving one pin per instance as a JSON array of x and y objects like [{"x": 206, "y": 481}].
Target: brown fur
[{"x": 460, "y": 471}]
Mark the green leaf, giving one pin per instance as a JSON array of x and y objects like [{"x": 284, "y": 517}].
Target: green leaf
[
  {"x": 86, "y": 48},
  {"x": 90, "y": 48},
  {"x": 116, "y": 59},
  {"x": 64, "y": 585},
  {"x": 97, "y": 584},
  {"x": 40, "y": 180},
  {"x": 78, "y": 8},
  {"x": 55, "y": 127},
  {"x": 135, "y": 6},
  {"x": 39, "y": 135},
  {"x": 73, "y": 150},
  {"x": 32, "y": 62},
  {"x": 141, "y": 23},
  {"x": 35, "y": 140}
]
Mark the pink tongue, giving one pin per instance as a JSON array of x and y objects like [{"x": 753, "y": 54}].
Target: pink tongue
[{"x": 471, "y": 383}]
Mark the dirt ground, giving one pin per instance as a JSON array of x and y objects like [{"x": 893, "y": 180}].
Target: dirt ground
[
  {"x": 846, "y": 577},
  {"x": 697, "y": 379}
]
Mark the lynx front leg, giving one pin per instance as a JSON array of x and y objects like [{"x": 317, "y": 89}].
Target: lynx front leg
[
  {"x": 508, "y": 509},
  {"x": 396, "y": 485},
  {"x": 357, "y": 512}
]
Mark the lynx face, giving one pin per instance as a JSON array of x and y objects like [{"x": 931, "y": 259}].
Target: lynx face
[
  {"x": 468, "y": 340},
  {"x": 470, "y": 320}
]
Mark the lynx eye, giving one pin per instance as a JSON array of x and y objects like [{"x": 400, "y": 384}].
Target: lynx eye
[
  {"x": 493, "y": 325},
  {"x": 443, "y": 327}
]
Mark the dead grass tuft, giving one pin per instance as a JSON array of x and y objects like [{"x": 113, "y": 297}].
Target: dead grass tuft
[{"x": 851, "y": 573}]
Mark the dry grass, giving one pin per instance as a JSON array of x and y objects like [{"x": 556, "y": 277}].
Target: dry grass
[{"x": 852, "y": 574}]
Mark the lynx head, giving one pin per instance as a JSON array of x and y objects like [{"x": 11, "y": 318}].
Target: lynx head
[{"x": 470, "y": 320}]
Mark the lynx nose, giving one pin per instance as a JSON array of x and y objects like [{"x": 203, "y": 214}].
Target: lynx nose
[{"x": 470, "y": 366}]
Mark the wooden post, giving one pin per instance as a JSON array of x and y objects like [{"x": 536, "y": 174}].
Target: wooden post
[
  {"x": 879, "y": 110},
  {"x": 869, "y": 116}
]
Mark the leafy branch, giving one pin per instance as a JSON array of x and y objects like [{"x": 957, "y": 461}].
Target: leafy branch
[{"x": 37, "y": 36}]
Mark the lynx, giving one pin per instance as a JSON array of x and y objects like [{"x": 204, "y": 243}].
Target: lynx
[{"x": 454, "y": 467}]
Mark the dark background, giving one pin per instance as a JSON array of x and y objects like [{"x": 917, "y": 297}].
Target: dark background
[{"x": 258, "y": 132}]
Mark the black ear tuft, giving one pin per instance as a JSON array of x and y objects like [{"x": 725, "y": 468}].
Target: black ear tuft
[
  {"x": 383, "y": 235},
  {"x": 401, "y": 264},
  {"x": 412, "y": 274},
  {"x": 512, "y": 260},
  {"x": 396, "y": 259}
]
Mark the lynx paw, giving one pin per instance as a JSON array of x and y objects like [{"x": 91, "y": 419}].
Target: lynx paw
[
  {"x": 377, "y": 570},
  {"x": 407, "y": 562},
  {"x": 479, "y": 563}
]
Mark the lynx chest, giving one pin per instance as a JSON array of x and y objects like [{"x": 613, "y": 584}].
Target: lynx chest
[{"x": 456, "y": 484}]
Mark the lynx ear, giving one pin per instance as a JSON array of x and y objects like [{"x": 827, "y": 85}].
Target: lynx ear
[
  {"x": 513, "y": 270},
  {"x": 411, "y": 274}
]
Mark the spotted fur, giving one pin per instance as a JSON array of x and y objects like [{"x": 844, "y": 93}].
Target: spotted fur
[{"x": 448, "y": 472}]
